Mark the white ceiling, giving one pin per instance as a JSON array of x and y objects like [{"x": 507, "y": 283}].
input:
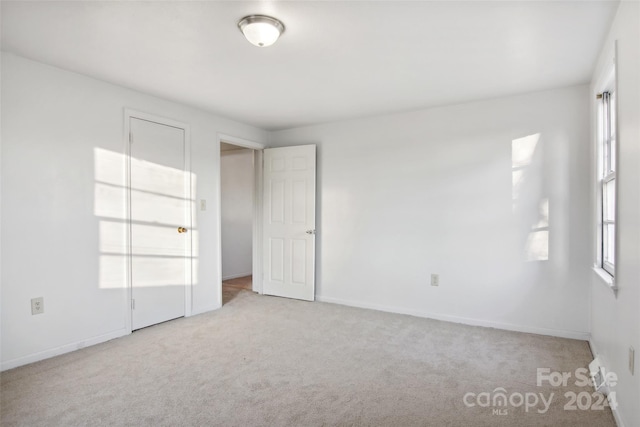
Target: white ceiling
[{"x": 336, "y": 60}]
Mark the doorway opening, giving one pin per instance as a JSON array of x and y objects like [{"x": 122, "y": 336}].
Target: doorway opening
[
  {"x": 237, "y": 218},
  {"x": 283, "y": 220}
]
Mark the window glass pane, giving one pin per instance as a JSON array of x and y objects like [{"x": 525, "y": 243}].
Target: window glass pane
[
  {"x": 612, "y": 155},
  {"x": 608, "y": 246},
  {"x": 612, "y": 131},
  {"x": 609, "y": 200}
]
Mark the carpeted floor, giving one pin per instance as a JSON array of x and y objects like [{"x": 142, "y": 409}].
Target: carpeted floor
[{"x": 266, "y": 361}]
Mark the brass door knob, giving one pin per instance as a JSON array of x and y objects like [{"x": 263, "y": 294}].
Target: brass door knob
[{"x": 182, "y": 230}]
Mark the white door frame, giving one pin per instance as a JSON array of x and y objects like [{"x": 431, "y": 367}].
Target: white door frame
[
  {"x": 256, "y": 268},
  {"x": 128, "y": 115}
]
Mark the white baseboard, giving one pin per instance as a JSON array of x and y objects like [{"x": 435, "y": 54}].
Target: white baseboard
[
  {"x": 67, "y": 348},
  {"x": 616, "y": 413},
  {"x": 235, "y": 276},
  {"x": 584, "y": 336}
]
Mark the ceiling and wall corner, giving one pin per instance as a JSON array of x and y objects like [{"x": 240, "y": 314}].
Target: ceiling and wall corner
[{"x": 336, "y": 60}]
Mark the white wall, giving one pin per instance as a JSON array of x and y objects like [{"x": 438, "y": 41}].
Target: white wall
[
  {"x": 403, "y": 196},
  {"x": 236, "y": 181},
  {"x": 615, "y": 319},
  {"x": 56, "y": 128}
]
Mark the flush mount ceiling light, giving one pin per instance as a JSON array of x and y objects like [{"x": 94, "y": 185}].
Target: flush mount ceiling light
[{"x": 261, "y": 30}]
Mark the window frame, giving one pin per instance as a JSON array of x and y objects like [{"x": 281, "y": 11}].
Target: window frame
[
  {"x": 608, "y": 147},
  {"x": 606, "y": 167}
]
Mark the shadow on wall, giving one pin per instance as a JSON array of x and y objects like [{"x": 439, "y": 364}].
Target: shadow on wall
[
  {"x": 158, "y": 250},
  {"x": 529, "y": 203}
]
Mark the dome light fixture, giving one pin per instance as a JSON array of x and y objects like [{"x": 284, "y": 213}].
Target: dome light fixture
[{"x": 261, "y": 30}]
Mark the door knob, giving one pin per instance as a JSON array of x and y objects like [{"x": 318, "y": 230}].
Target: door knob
[
  {"x": 182, "y": 230},
  {"x": 310, "y": 231}
]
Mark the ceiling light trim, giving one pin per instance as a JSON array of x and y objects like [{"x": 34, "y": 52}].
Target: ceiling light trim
[{"x": 261, "y": 30}]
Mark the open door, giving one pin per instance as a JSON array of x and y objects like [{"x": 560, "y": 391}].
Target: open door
[{"x": 289, "y": 222}]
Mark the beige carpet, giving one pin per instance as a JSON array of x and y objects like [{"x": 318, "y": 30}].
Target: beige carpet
[{"x": 266, "y": 361}]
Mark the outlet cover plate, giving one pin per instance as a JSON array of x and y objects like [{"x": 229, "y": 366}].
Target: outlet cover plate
[
  {"x": 435, "y": 280},
  {"x": 37, "y": 305}
]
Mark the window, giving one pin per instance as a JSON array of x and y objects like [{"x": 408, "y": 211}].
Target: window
[{"x": 607, "y": 182}]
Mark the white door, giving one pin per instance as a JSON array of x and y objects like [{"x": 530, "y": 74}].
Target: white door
[
  {"x": 289, "y": 222},
  {"x": 160, "y": 212}
]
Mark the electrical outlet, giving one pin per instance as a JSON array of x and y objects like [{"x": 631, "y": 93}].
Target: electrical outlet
[
  {"x": 203, "y": 205},
  {"x": 37, "y": 305},
  {"x": 632, "y": 359},
  {"x": 435, "y": 280}
]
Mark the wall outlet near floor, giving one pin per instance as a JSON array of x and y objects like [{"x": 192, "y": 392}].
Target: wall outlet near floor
[
  {"x": 632, "y": 359},
  {"x": 37, "y": 305},
  {"x": 435, "y": 280}
]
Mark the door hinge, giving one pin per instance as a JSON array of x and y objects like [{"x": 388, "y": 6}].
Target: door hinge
[
  {"x": 133, "y": 304},
  {"x": 130, "y": 137}
]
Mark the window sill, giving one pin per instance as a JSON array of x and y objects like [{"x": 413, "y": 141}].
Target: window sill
[{"x": 605, "y": 278}]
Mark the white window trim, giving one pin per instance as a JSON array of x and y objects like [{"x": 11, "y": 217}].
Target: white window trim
[
  {"x": 607, "y": 83},
  {"x": 606, "y": 278}
]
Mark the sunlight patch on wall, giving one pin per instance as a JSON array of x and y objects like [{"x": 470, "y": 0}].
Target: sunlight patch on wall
[
  {"x": 112, "y": 272},
  {"x": 159, "y": 206},
  {"x": 526, "y": 178},
  {"x": 522, "y": 150},
  {"x": 537, "y": 246}
]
